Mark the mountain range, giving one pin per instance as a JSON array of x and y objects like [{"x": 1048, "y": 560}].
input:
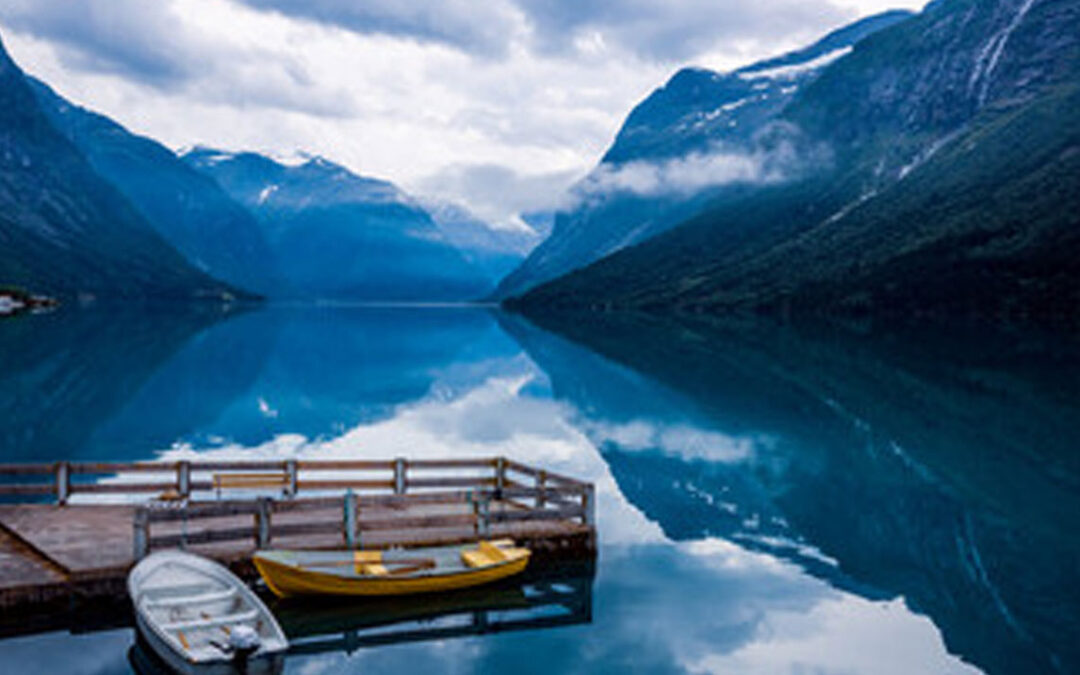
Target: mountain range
[
  {"x": 931, "y": 169},
  {"x": 918, "y": 164},
  {"x": 64, "y": 229},
  {"x": 334, "y": 234},
  {"x": 671, "y": 154},
  {"x": 94, "y": 210}
]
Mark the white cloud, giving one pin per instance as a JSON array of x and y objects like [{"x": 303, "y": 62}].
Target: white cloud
[{"x": 776, "y": 155}]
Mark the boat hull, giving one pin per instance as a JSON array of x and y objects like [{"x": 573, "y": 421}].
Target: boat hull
[
  {"x": 286, "y": 580},
  {"x": 174, "y": 662}
]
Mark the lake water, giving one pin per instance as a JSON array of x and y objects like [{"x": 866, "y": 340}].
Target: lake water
[{"x": 772, "y": 498}]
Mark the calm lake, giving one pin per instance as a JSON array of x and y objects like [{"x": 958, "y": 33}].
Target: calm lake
[{"x": 772, "y": 498}]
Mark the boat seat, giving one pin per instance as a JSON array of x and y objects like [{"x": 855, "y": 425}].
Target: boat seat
[
  {"x": 489, "y": 553},
  {"x": 202, "y": 598},
  {"x": 239, "y": 617},
  {"x": 373, "y": 569}
]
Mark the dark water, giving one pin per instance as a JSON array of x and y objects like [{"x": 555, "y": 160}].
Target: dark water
[{"x": 772, "y": 498}]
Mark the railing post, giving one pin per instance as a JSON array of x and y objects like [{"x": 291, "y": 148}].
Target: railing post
[
  {"x": 63, "y": 482},
  {"x": 500, "y": 474},
  {"x": 483, "y": 516},
  {"x": 541, "y": 487},
  {"x": 262, "y": 522},
  {"x": 400, "y": 484},
  {"x": 349, "y": 521},
  {"x": 141, "y": 533},
  {"x": 293, "y": 474},
  {"x": 183, "y": 478},
  {"x": 588, "y": 505}
]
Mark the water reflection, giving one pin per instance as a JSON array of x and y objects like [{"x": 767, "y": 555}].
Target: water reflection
[
  {"x": 770, "y": 497},
  {"x": 940, "y": 467}
]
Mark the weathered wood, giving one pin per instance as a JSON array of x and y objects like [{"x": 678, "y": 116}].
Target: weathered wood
[
  {"x": 343, "y": 484},
  {"x": 418, "y": 522},
  {"x": 346, "y": 465},
  {"x": 547, "y": 514},
  {"x": 470, "y": 481},
  {"x": 430, "y": 464}
]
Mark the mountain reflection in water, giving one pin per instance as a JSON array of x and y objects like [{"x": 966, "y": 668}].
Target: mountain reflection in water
[{"x": 770, "y": 495}]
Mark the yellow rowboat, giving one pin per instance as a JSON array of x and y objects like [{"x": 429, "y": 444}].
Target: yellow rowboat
[{"x": 421, "y": 570}]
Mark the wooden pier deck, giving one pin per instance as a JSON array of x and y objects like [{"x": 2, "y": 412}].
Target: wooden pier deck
[{"x": 78, "y": 548}]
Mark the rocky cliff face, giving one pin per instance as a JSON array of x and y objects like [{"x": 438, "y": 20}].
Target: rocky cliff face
[
  {"x": 951, "y": 184},
  {"x": 66, "y": 231},
  {"x": 688, "y": 126}
]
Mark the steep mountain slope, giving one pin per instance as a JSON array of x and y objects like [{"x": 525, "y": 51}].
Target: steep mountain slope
[
  {"x": 680, "y": 148},
  {"x": 342, "y": 236},
  {"x": 187, "y": 208},
  {"x": 952, "y": 186},
  {"x": 64, "y": 230}
]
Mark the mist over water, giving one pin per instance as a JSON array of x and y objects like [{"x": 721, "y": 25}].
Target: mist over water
[{"x": 771, "y": 497}]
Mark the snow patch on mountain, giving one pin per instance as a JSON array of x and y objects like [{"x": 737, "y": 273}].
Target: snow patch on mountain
[{"x": 795, "y": 70}]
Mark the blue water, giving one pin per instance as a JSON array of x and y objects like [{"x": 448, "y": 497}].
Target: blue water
[{"x": 772, "y": 498}]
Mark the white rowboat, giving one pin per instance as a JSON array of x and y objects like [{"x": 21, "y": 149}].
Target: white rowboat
[{"x": 199, "y": 618}]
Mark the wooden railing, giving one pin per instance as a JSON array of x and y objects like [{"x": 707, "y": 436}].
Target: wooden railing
[
  {"x": 353, "y": 498},
  {"x": 184, "y": 480}
]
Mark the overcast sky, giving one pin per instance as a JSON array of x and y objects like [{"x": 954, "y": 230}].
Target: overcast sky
[{"x": 498, "y": 104}]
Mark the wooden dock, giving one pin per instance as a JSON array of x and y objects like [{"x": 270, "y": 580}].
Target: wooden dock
[{"x": 69, "y": 545}]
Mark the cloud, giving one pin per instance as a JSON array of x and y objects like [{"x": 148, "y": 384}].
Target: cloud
[
  {"x": 776, "y": 154},
  {"x": 661, "y": 31},
  {"x": 159, "y": 45},
  {"x": 499, "y": 194},
  {"x": 486, "y": 27}
]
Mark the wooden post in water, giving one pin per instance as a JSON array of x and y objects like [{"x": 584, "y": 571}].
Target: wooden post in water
[
  {"x": 349, "y": 520},
  {"x": 141, "y": 533},
  {"x": 262, "y": 522},
  {"x": 400, "y": 484},
  {"x": 183, "y": 478},
  {"x": 63, "y": 482}
]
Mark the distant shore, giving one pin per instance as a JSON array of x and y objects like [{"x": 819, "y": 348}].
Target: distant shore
[{"x": 16, "y": 300}]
